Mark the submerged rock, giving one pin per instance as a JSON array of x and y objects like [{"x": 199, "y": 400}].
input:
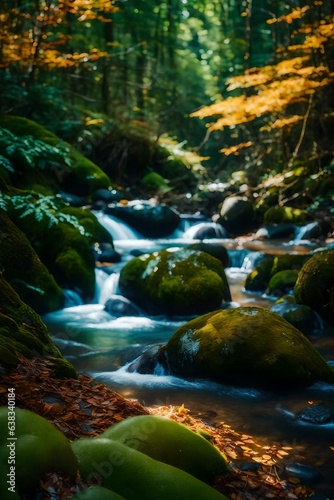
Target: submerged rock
[
  {"x": 248, "y": 346},
  {"x": 315, "y": 284},
  {"x": 184, "y": 282},
  {"x": 121, "y": 306},
  {"x": 304, "y": 472},
  {"x": 317, "y": 414}
]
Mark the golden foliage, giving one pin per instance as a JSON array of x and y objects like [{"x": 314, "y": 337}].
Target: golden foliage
[
  {"x": 297, "y": 13},
  {"x": 273, "y": 88},
  {"x": 235, "y": 149},
  {"x": 41, "y": 41}
]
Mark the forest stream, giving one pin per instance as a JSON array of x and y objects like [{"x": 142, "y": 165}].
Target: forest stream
[{"x": 104, "y": 346}]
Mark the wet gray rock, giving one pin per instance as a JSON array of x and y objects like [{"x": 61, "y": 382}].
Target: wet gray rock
[
  {"x": 119, "y": 306},
  {"x": 317, "y": 414},
  {"x": 303, "y": 472}
]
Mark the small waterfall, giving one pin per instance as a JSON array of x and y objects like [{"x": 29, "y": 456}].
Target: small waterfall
[
  {"x": 252, "y": 259},
  {"x": 237, "y": 257},
  {"x": 205, "y": 230},
  {"x": 304, "y": 232},
  {"x": 118, "y": 229},
  {"x": 106, "y": 285}
]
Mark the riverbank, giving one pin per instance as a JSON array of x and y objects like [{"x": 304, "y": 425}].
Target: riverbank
[{"x": 85, "y": 408}]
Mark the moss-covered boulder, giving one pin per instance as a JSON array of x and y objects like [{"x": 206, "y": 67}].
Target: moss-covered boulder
[
  {"x": 22, "y": 333},
  {"x": 315, "y": 284},
  {"x": 300, "y": 316},
  {"x": 184, "y": 282},
  {"x": 247, "y": 345},
  {"x": 95, "y": 232},
  {"x": 69, "y": 256},
  {"x": 150, "y": 220},
  {"x": 172, "y": 443},
  {"x": 134, "y": 475},
  {"x": 22, "y": 268},
  {"x": 279, "y": 215},
  {"x": 81, "y": 176},
  {"x": 259, "y": 278},
  {"x": 236, "y": 214},
  {"x": 38, "y": 447},
  {"x": 282, "y": 282}
]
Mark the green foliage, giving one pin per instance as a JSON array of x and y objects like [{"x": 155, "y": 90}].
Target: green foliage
[
  {"x": 27, "y": 152},
  {"x": 42, "y": 208}
]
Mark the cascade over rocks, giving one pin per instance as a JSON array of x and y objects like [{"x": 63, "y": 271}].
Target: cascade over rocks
[
  {"x": 247, "y": 345},
  {"x": 184, "y": 282},
  {"x": 149, "y": 219}
]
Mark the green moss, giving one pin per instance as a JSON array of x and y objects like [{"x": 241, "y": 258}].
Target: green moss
[
  {"x": 278, "y": 215},
  {"x": 40, "y": 446},
  {"x": 170, "y": 442},
  {"x": 246, "y": 345},
  {"x": 182, "y": 282},
  {"x": 95, "y": 232},
  {"x": 22, "y": 333},
  {"x": 315, "y": 284},
  {"x": 283, "y": 281},
  {"x": 258, "y": 280},
  {"x": 82, "y": 177},
  {"x": 73, "y": 273},
  {"x": 23, "y": 269},
  {"x": 154, "y": 182}
]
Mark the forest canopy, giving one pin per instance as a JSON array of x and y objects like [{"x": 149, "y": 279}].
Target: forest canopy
[{"x": 258, "y": 74}]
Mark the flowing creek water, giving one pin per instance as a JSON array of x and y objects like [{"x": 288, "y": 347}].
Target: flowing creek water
[{"x": 103, "y": 346}]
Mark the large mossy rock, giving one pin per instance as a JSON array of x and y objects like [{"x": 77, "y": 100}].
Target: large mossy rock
[
  {"x": 134, "y": 475},
  {"x": 22, "y": 333},
  {"x": 69, "y": 256},
  {"x": 280, "y": 215},
  {"x": 315, "y": 284},
  {"x": 65, "y": 248},
  {"x": 39, "y": 447},
  {"x": 82, "y": 177},
  {"x": 22, "y": 268},
  {"x": 249, "y": 346},
  {"x": 150, "y": 220},
  {"x": 172, "y": 443},
  {"x": 236, "y": 214},
  {"x": 282, "y": 282},
  {"x": 258, "y": 280},
  {"x": 185, "y": 282}
]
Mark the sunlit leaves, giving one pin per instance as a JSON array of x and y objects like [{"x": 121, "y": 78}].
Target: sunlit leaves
[
  {"x": 297, "y": 13},
  {"x": 35, "y": 37}
]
